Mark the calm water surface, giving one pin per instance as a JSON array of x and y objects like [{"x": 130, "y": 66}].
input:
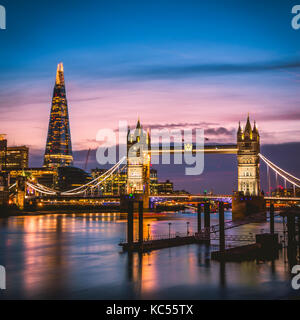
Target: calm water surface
[{"x": 76, "y": 256}]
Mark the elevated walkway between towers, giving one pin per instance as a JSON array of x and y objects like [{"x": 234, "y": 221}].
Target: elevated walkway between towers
[{"x": 209, "y": 149}]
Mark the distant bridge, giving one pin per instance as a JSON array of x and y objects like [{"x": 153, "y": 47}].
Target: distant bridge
[{"x": 219, "y": 196}]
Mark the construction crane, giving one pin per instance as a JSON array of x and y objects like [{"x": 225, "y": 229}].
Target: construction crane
[{"x": 87, "y": 159}]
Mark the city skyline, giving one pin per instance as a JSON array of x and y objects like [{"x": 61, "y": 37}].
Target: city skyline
[{"x": 211, "y": 179}]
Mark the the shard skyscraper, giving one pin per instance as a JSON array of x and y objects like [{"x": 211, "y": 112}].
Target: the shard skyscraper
[{"x": 58, "y": 151}]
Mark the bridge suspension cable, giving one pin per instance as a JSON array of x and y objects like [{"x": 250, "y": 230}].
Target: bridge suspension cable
[
  {"x": 97, "y": 181},
  {"x": 273, "y": 164},
  {"x": 45, "y": 188},
  {"x": 37, "y": 189},
  {"x": 92, "y": 184},
  {"x": 13, "y": 185},
  {"x": 282, "y": 173}
]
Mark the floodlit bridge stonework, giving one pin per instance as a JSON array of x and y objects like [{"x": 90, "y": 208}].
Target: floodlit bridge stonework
[{"x": 247, "y": 150}]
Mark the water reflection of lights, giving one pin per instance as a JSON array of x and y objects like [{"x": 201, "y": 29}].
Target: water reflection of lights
[{"x": 51, "y": 248}]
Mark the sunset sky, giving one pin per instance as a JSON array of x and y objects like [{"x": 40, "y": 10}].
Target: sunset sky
[{"x": 195, "y": 64}]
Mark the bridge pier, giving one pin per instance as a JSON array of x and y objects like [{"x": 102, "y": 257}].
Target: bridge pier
[
  {"x": 136, "y": 198},
  {"x": 146, "y": 199},
  {"x": 130, "y": 225},
  {"x": 243, "y": 206}
]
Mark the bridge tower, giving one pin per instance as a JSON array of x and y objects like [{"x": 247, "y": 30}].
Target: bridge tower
[
  {"x": 248, "y": 198},
  {"x": 248, "y": 144},
  {"x": 138, "y": 164}
]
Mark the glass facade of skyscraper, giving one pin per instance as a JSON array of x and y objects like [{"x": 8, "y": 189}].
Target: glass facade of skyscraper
[{"x": 58, "y": 151}]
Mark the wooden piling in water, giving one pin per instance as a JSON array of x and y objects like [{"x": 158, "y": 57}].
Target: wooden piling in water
[
  {"x": 292, "y": 246},
  {"x": 130, "y": 223},
  {"x": 222, "y": 228},
  {"x": 199, "y": 217},
  {"x": 207, "y": 221},
  {"x": 298, "y": 221},
  {"x": 272, "y": 218},
  {"x": 141, "y": 212}
]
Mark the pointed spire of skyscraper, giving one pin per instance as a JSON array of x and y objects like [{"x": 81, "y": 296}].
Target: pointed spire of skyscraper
[
  {"x": 58, "y": 147},
  {"x": 60, "y": 79}
]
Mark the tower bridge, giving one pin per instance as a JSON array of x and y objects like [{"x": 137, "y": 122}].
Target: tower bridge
[{"x": 247, "y": 150}]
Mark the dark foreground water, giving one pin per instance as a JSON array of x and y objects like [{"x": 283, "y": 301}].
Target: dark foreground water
[{"x": 76, "y": 256}]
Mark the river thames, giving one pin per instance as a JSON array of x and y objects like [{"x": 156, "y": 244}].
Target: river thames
[{"x": 76, "y": 256}]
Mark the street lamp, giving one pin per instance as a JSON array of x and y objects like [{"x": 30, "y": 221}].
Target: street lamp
[
  {"x": 187, "y": 228},
  {"x": 169, "y": 229}
]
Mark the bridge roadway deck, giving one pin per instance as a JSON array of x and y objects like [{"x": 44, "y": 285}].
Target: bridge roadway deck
[{"x": 194, "y": 197}]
